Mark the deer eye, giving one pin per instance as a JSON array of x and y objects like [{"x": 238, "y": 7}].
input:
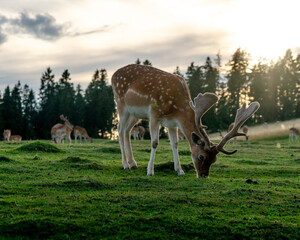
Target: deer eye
[{"x": 201, "y": 157}]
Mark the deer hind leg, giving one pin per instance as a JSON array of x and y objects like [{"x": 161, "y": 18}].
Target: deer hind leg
[
  {"x": 127, "y": 141},
  {"x": 173, "y": 136},
  {"x": 154, "y": 132}
]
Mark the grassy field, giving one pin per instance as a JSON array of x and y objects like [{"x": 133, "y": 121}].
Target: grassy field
[{"x": 81, "y": 192}]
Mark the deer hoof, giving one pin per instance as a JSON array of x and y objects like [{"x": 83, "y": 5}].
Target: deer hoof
[
  {"x": 126, "y": 169},
  {"x": 180, "y": 173},
  {"x": 134, "y": 167}
]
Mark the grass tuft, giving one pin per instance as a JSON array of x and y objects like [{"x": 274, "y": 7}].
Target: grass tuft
[{"x": 40, "y": 147}]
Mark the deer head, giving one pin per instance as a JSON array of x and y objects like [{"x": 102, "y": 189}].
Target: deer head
[
  {"x": 205, "y": 152},
  {"x": 67, "y": 123}
]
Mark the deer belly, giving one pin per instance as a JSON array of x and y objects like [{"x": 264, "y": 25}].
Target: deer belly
[{"x": 141, "y": 112}]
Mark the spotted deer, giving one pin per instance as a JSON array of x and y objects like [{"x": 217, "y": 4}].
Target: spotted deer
[
  {"x": 245, "y": 130},
  {"x": 142, "y": 132},
  {"x": 294, "y": 134},
  {"x": 16, "y": 138},
  {"x": 61, "y": 131},
  {"x": 80, "y": 132},
  {"x": 144, "y": 92},
  {"x": 135, "y": 133},
  {"x": 6, "y": 134}
]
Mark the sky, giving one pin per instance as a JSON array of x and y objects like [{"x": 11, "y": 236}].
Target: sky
[{"x": 85, "y": 35}]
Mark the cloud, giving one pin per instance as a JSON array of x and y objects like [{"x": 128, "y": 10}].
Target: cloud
[{"x": 41, "y": 26}]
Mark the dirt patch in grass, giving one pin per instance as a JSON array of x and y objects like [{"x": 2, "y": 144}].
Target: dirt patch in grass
[
  {"x": 81, "y": 164},
  {"x": 109, "y": 150},
  {"x": 5, "y": 159},
  {"x": 80, "y": 185},
  {"x": 75, "y": 160},
  {"x": 40, "y": 147},
  {"x": 169, "y": 166}
]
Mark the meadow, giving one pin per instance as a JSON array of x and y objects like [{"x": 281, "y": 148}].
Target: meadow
[{"x": 80, "y": 191}]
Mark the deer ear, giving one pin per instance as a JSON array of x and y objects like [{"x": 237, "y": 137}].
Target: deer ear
[{"x": 196, "y": 139}]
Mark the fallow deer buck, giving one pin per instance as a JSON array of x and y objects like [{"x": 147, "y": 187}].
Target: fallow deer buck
[
  {"x": 294, "y": 133},
  {"x": 61, "y": 131},
  {"x": 144, "y": 92},
  {"x": 80, "y": 132},
  {"x": 6, "y": 134}
]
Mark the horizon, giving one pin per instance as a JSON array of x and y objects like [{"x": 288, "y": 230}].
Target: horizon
[{"x": 85, "y": 36}]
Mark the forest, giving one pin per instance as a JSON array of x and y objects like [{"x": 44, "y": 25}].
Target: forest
[{"x": 275, "y": 84}]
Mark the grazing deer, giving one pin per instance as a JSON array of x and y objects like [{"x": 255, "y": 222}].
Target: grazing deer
[
  {"x": 81, "y": 133},
  {"x": 245, "y": 130},
  {"x": 61, "y": 131},
  {"x": 6, "y": 134},
  {"x": 15, "y": 138},
  {"x": 294, "y": 133},
  {"x": 180, "y": 135},
  {"x": 141, "y": 132},
  {"x": 144, "y": 92},
  {"x": 135, "y": 133}
]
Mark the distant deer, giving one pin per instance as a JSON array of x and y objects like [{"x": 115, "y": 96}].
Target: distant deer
[
  {"x": 245, "y": 130},
  {"x": 6, "y": 134},
  {"x": 61, "y": 131},
  {"x": 180, "y": 135},
  {"x": 141, "y": 132},
  {"x": 80, "y": 132},
  {"x": 135, "y": 133},
  {"x": 294, "y": 134},
  {"x": 144, "y": 92},
  {"x": 15, "y": 138}
]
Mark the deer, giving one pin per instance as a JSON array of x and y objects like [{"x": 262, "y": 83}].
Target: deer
[
  {"x": 294, "y": 134},
  {"x": 245, "y": 130},
  {"x": 145, "y": 92},
  {"x": 141, "y": 132},
  {"x": 15, "y": 138},
  {"x": 61, "y": 131},
  {"x": 6, "y": 134},
  {"x": 135, "y": 133},
  {"x": 81, "y": 133},
  {"x": 180, "y": 135}
]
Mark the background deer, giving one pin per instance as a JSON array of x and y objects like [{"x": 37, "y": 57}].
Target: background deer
[
  {"x": 6, "y": 134},
  {"x": 61, "y": 131},
  {"x": 144, "y": 92},
  {"x": 135, "y": 133},
  {"x": 245, "y": 130},
  {"x": 141, "y": 132},
  {"x": 81, "y": 133},
  {"x": 15, "y": 138},
  {"x": 294, "y": 134}
]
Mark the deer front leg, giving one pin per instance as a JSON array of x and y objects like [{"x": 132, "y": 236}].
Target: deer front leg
[
  {"x": 154, "y": 132},
  {"x": 173, "y": 135},
  {"x": 127, "y": 142}
]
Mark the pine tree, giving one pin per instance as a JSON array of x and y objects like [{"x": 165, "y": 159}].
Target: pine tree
[
  {"x": 100, "y": 106},
  {"x": 29, "y": 113},
  {"x": 79, "y": 107},
  {"x": 65, "y": 96},
  {"x": 48, "y": 113},
  {"x": 195, "y": 79},
  {"x": 237, "y": 79},
  {"x": 17, "y": 116}
]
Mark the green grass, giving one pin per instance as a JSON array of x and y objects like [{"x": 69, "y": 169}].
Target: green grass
[{"x": 81, "y": 192}]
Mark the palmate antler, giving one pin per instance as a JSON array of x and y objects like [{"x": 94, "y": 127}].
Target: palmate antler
[
  {"x": 62, "y": 117},
  {"x": 242, "y": 115},
  {"x": 202, "y": 103}
]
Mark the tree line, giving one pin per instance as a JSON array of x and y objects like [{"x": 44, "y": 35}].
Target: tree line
[{"x": 276, "y": 85}]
